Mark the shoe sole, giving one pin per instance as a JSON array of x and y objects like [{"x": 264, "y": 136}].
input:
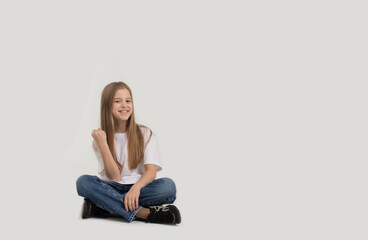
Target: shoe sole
[
  {"x": 176, "y": 213},
  {"x": 87, "y": 205}
]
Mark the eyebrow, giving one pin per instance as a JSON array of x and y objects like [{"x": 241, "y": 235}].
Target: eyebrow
[{"x": 120, "y": 98}]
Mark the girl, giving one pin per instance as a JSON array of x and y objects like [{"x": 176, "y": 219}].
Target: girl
[{"x": 128, "y": 159}]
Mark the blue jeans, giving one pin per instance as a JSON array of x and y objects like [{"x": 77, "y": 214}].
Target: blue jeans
[{"x": 109, "y": 195}]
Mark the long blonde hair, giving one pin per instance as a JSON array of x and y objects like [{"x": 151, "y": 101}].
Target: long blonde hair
[{"x": 135, "y": 137}]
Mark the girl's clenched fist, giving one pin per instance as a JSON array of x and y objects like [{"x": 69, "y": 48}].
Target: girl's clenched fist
[{"x": 99, "y": 136}]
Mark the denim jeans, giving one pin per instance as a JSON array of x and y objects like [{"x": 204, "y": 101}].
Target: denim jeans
[{"x": 109, "y": 195}]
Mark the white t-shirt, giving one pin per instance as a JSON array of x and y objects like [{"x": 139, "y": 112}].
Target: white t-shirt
[{"x": 151, "y": 156}]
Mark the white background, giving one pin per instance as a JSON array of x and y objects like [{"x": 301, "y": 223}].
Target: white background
[{"x": 260, "y": 109}]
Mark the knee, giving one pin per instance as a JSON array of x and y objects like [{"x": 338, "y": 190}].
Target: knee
[
  {"x": 83, "y": 183},
  {"x": 169, "y": 188}
]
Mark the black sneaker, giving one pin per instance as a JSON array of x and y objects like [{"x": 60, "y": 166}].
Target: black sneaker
[
  {"x": 91, "y": 210},
  {"x": 164, "y": 214}
]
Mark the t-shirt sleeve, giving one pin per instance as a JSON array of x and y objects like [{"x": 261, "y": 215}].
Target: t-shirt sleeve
[
  {"x": 151, "y": 153},
  {"x": 100, "y": 165}
]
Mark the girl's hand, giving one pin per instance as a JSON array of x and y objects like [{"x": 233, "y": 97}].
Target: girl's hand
[
  {"x": 99, "y": 136},
  {"x": 131, "y": 199}
]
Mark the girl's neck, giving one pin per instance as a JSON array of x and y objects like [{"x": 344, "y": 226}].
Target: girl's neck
[{"x": 120, "y": 128}]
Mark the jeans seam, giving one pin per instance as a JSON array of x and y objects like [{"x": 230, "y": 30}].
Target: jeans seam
[
  {"x": 109, "y": 190},
  {"x": 132, "y": 216}
]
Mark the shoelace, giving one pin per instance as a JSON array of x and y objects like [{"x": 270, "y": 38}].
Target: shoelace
[{"x": 162, "y": 208}]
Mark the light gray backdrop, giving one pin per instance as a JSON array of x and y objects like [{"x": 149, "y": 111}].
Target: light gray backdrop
[{"x": 260, "y": 109}]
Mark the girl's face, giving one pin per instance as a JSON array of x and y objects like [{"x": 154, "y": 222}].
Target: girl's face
[{"x": 122, "y": 106}]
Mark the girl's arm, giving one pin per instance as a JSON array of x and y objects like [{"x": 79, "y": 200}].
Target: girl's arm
[
  {"x": 131, "y": 198},
  {"x": 112, "y": 170},
  {"x": 148, "y": 176}
]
